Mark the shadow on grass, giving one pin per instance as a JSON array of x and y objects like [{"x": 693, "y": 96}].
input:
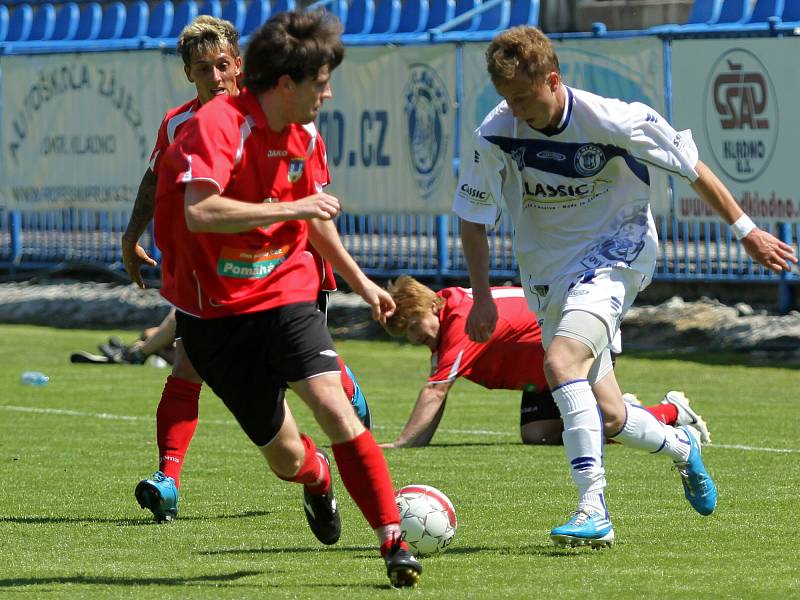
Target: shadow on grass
[
  {"x": 33, "y": 520},
  {"x": 717, "y": 359},
  {"x": 289, "y": 550},
  {"x": 545, "y": 550},
  {"x": 126, "y": 581}
]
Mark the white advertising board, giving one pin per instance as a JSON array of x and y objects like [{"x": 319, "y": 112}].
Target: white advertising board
[
  {"x": 737, "y": 96},
  {"x": 389, "y": 129},
  {"x": 77, "y": 129}
]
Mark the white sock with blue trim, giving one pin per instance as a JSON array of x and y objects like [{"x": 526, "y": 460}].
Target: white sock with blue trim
[
  {"x": 642, "y": 430},
  {"x": 583, "y": 441}
]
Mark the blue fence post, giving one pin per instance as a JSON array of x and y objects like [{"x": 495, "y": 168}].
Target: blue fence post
[
  {"x": 442, "y": 247},
  {"x": 784, "y": 287},
  {"x": 15, "y": 229}
]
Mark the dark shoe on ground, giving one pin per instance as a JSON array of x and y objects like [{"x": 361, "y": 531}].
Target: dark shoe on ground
[
  {"x": 402, "y": 568},
  {"x": 321, "y": 511}
]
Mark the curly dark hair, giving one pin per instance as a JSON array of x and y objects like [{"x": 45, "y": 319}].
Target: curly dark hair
[{"x": 292, "y": 43}]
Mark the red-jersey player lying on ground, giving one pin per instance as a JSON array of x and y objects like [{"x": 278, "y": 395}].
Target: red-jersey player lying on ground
[{"x": 512, "y": 359}]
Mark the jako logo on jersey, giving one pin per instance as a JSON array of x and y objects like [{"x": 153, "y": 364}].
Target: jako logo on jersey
[
  {"x": 589, "y": 159},
  {"x": 427, "y": 118},
  {"x": 471, "y": 192},
  {"x": 277, "y": 153},
  {"x": 296, "y": 169},
  {"x": 548, "y": 155}
]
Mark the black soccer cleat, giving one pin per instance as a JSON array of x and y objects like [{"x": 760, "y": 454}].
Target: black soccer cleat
[
  {"x": 321, "y": 511},
  {"x": 401, "y": 566}
]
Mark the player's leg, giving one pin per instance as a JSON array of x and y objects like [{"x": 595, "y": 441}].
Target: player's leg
[
  {"x": 313, "y": 373},
  {"x": 539, "y": 419},
  {"x": 176, "y": 422},
  {"x": 567, "y": 364}
]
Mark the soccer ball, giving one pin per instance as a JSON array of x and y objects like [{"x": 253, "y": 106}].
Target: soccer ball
[{"x": 427, "y": 518}]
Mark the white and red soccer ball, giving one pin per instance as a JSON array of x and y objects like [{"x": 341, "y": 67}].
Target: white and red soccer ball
[{"x": 427, "y": 518}]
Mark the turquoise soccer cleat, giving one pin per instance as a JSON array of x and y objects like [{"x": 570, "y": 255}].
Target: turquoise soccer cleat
[
  {"x": 359, "y": 402},
  {"x": 584, "y": 529},
  {"x": 160, "y": 495},
  {"x": 698, "y": 486}
]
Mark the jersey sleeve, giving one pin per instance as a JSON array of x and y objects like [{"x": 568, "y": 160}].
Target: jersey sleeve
[
  {"x": 319, "y": 160},
  {"x": 208, "y": 148},
  {"x": 162, "y": 143},
  {"x": 478, "y": 195},
  {"x": 654, "y": 141}
]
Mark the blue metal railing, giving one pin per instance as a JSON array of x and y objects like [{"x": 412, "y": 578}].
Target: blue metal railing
[{"x": 385, "y": 246}]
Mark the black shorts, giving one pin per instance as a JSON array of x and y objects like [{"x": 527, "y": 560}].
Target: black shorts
[
  {"x": 537, "y": 406},
  {"x": 248, "y": 359}
]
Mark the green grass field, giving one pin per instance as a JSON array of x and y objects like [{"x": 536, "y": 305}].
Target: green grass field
[{"x": 72, "y": 452}]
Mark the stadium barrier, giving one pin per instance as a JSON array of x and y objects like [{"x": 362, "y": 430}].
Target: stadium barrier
[{"x": 663, "y": 66}]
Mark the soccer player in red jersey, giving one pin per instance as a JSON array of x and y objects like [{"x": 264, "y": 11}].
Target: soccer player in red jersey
[
  {"x": 209, "y": 48},
  {"x": 512, "y": 359},
  {"x": 239, "y": 206}
]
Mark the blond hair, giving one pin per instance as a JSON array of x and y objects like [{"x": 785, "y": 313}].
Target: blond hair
[
  {"x": 205, "y": 34},
  {"x": 412, "y": 299},
  {"x": 523, "y": 49}
]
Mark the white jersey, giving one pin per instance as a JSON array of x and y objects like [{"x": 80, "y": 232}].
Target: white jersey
[{"x": 578, "y": 194}]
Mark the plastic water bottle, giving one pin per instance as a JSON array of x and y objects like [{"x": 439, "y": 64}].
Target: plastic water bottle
[{"x": 34, "y": 378}]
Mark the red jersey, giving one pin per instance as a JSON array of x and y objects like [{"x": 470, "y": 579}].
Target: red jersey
[
  {"x": 228, "y": 143},
  {"x": 169, "y": 128},
  {"x": 511, "y": 360}
]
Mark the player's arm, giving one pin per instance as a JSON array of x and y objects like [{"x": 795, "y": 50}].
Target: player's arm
[
  {"x": 325, "y": 238},
  {"x": 133, "y": 255},
  {"x": 482, "y": 317},
  {"x": 424, "y": 418},
  {"x": 762, "y": 246},
  {"x": 209, "y": 212}
]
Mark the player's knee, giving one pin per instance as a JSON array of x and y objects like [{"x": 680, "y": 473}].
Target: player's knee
[
  {"x": 285, "y": 460},
  {"x": 613, "y": 421},
  {"x": 541, "y": 433}
]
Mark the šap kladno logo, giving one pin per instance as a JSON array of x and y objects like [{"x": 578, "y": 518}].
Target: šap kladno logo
[
  {"x": 741, "y": 115},
  {"x": 427, "y": 108}
]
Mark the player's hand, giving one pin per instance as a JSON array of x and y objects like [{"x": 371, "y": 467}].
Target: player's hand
[
  {"x": 386, "y": 445},
  {"x": 133, "y": 257},
  {"x": 380, "y": 301},
  {"x": 481, "y": 320},
  {"x": 769, "y": 251},
  {"x": 317, "y": 206}
]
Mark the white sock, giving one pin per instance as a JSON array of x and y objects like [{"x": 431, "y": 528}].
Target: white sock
[
  {"x": 642, "y": 430},
  {"x": 583, "y": 441}
]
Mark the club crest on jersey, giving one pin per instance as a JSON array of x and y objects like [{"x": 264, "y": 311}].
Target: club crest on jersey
[
  {"x": 518, "y": 156},
  {"x": 589, "y": 159},
  {"x": 296, "y": 169}
]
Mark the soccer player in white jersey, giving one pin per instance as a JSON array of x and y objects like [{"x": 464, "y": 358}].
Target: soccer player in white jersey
[{"x": 573, "y": 171}]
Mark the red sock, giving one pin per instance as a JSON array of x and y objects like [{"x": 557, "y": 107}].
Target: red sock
[
  {"x": 176, "y": 420},
  {"x": 364, "y": 473},
  {"x": 666, "y": 413},
  {"x": 314, "y": 473}
]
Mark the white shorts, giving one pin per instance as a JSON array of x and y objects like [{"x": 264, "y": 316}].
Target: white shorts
[{"x": 605, "y": 293}]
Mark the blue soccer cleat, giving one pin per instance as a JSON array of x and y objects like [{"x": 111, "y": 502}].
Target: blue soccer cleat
[
  {"x": 698, "y": 486},
  {"x": 359, "y": 401},
  {"x": 160, "y": 495},
  {"x": 584, "y": 529}
]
